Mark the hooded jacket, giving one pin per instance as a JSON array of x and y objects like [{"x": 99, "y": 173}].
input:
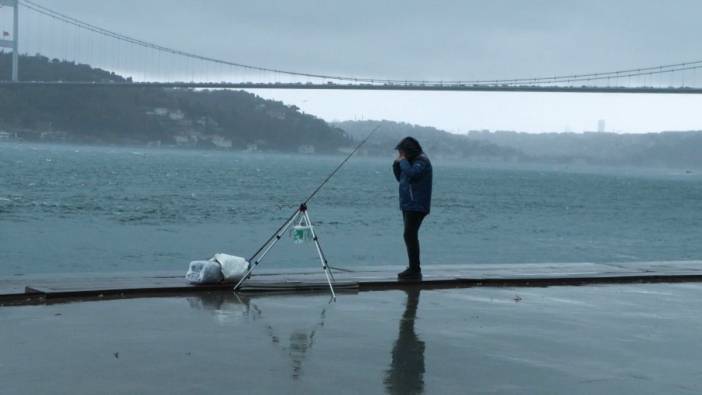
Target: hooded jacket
[{"x": 415, "y": 177}]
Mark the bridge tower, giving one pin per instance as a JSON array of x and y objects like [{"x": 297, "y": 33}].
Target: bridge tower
[{"x": 14, "y": 42}]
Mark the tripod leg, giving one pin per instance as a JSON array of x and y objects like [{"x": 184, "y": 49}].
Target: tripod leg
[
  {"x": 324, "y": 258},
  {"x": 325, "y": 266},
  {"x": 260, "y": 257},
  {"x": 322, "y": 255}
]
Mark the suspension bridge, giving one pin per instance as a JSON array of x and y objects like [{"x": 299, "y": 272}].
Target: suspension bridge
[{"x": 149, "y": 64}]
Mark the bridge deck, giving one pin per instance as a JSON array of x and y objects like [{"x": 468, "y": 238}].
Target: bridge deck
[
  {"x": 40, "y": 289},
  {"x": 365, "y": 87}
]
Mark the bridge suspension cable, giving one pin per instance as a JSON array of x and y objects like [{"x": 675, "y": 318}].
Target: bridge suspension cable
[{"x": 543, "y": 80}]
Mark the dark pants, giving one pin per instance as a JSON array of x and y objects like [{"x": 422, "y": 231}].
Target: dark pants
[{"x": 412, "y": 220}]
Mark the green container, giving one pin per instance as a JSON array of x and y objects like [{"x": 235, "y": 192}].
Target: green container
[{"x": 301, "y": 234}]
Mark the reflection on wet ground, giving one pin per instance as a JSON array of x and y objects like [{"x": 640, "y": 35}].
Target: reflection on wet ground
[
  {"x": 298, "y": 343},
  {"x": 406, "y": 373},
  {"x": 629, "y": 339}
]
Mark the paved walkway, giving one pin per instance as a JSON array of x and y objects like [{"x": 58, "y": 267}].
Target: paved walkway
[{"x": 39, "y": 289}]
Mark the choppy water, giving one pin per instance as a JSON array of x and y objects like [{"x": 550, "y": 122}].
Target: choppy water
[{"x": 98, "y": 209}]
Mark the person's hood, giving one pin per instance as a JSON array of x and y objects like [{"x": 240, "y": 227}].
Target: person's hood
[{"x": 410, "y": 146}]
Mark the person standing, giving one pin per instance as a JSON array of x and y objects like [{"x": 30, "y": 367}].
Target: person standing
[{"x": 413, "y": 171}]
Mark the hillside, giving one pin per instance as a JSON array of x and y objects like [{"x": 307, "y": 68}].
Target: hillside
[
  {"x": 436, "y": 142},
  {"x": 666, "y": 149},
  {"x": 221, "y": 119}
]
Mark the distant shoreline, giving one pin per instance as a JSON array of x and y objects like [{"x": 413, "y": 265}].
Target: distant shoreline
[{"x": 531, "y": 166}]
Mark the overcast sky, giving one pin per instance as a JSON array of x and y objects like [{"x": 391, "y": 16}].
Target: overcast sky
[{"x": 411, "y": 39}]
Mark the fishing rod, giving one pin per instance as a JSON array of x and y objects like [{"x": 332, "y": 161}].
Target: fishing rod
[
  {"x": 313, "y": 194},
  {"x": 329, "y": 177},
  {"x": 301, "y": 212}
]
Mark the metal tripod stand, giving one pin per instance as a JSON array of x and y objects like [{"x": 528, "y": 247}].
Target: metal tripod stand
[{"x": 300, "y": 216}]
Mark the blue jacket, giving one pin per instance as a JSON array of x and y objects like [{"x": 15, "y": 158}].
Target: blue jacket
[{"x": 415, "y": 179}]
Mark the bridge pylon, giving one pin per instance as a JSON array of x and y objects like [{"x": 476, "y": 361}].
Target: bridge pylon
[{"x": 14, "y": 42}]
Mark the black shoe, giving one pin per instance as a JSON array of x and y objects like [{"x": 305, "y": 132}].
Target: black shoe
[{"x": 410, "y": 274}]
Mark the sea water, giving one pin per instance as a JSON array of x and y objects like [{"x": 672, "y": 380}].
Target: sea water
[{"x": 67, "y": 209}]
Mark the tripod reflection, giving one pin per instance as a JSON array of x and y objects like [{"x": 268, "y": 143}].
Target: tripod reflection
[{"x": 228, "y": 307}]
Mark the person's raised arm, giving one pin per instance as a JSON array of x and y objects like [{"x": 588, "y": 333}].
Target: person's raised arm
[
  {"x": 413, "y": 170},
  {"x": 396, "y": 169}
]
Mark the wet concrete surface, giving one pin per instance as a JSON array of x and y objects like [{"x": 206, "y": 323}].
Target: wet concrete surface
[
  {"x": 624, "y": 339},
  {"x": 40, "y": 288}
]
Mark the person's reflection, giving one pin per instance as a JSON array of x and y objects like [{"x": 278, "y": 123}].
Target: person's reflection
[{"x": 406, "y": 373}]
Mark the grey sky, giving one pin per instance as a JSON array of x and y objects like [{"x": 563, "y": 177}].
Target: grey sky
[{"x": 416, "y": 40}]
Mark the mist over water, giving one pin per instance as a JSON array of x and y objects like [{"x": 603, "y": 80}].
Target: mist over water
[{"x": 104, "y": 209}]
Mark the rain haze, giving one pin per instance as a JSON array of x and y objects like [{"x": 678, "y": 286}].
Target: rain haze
[
  {"x": 451, "y": 40},
  {"x": 400, "y": 197}
]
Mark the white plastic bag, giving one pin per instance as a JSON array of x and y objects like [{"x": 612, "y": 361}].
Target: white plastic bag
[
  {"x": 233, "y": 267},
  {"x": 204, "y": 272}
]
